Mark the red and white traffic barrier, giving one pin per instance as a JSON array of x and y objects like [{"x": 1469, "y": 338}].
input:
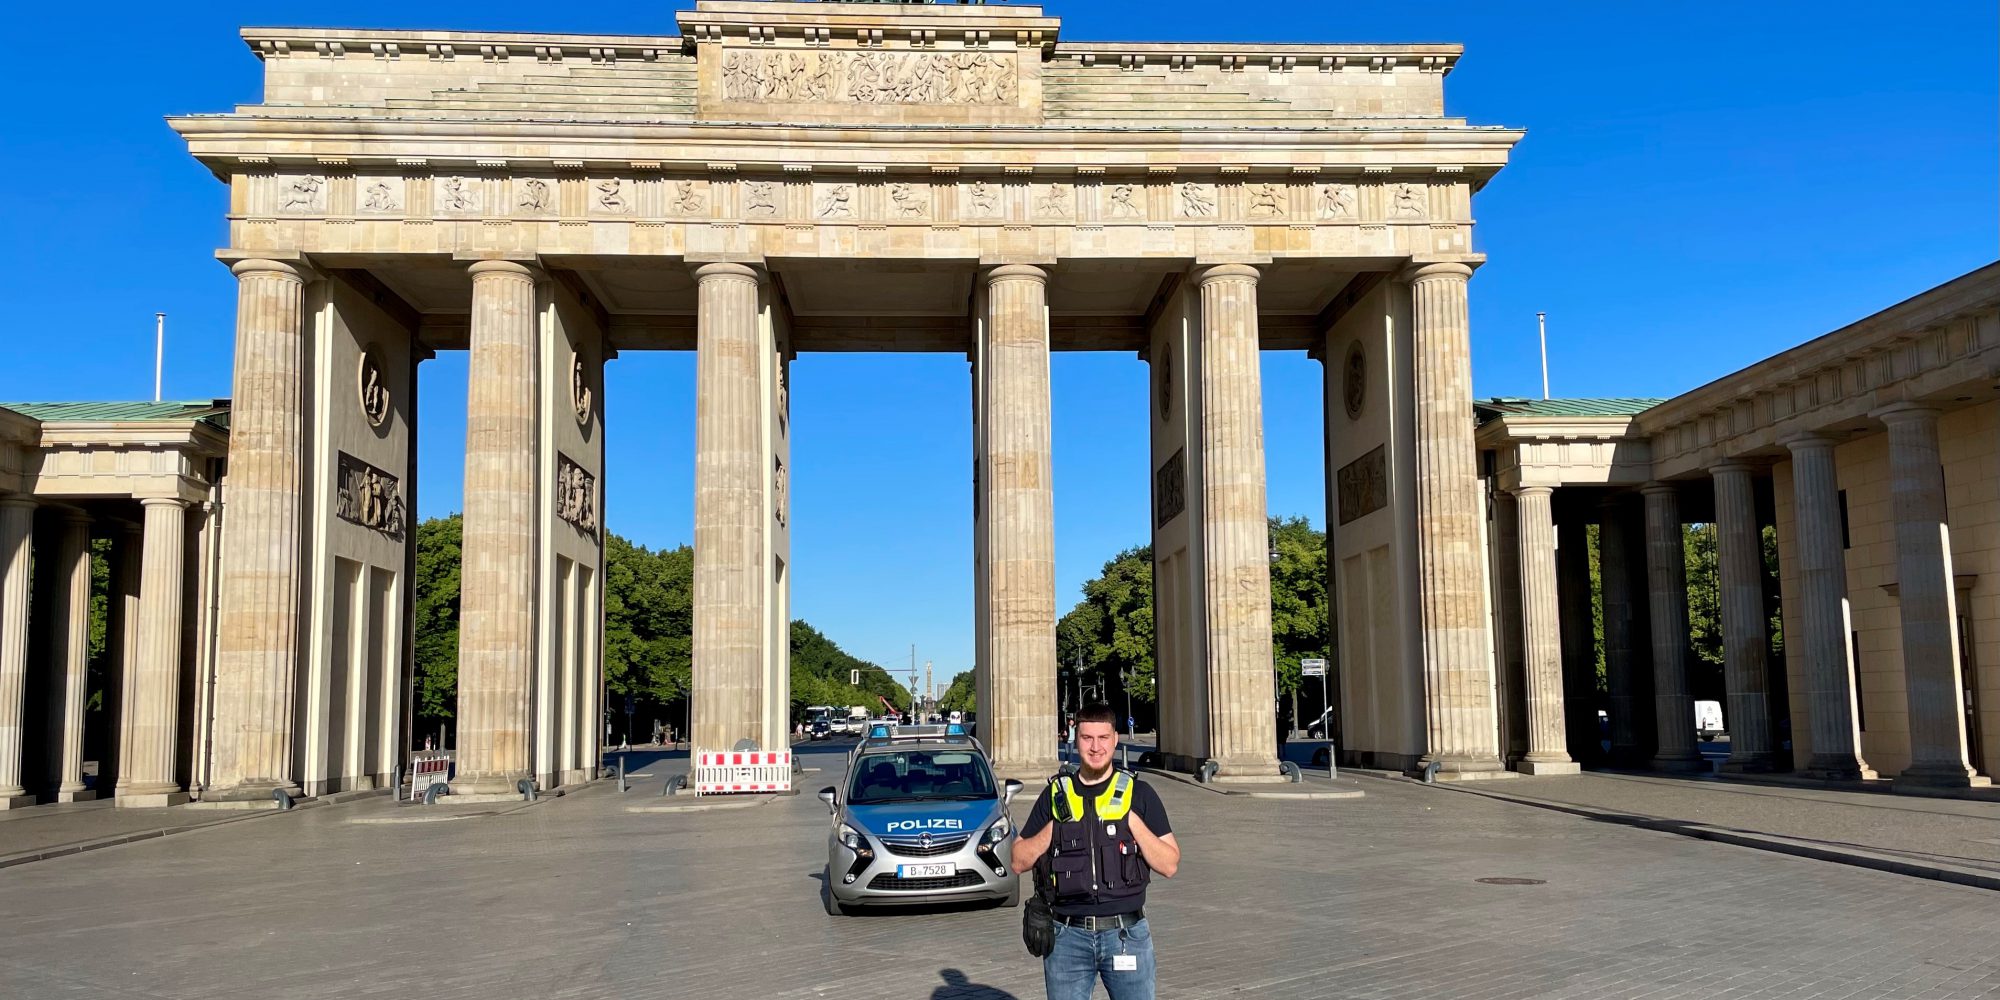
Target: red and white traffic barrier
[{"x": 733, "y": 771}]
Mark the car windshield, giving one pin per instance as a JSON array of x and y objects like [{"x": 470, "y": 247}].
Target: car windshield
[{"x": 919, "y": 775}]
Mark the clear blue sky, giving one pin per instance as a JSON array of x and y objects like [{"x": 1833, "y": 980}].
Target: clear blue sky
[{"x": 1702, "y": 185}]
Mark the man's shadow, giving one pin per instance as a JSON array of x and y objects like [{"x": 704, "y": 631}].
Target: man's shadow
[{"x": 957, "y": 987}]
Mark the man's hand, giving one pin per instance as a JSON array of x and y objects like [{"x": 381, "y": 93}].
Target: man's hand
[
  {"x": 1162, "y": 854},
  {"x": 1028, "y": 850}
]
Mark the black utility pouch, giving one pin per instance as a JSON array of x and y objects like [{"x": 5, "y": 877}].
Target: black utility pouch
[{"x": 1038, "y": 922}]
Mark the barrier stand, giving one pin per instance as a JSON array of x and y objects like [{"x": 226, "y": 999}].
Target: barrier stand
[
  {"x": 730, "y": 772},
  {"x": 427, "y": 768}
]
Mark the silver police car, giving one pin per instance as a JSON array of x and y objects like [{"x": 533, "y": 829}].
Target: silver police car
[{"x": 920, "y": 821}]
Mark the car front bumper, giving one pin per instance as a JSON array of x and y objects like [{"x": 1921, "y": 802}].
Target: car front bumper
[{"x": 869, "y": 877}]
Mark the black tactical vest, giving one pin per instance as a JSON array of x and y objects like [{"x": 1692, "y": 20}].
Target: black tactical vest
[{"x": 1092, "y": 856}]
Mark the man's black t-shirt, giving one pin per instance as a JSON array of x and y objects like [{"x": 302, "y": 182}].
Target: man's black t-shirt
[{"x": 1145, "y": 802}]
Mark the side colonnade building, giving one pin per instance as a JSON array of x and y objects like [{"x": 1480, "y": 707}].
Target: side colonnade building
[{"x": 1873, "y": 455}]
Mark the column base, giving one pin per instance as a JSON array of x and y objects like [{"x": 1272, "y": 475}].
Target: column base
[
  {"x": 1755, "y": 762},
  {"x": 149, "y": 800},
  {"x": 1248, "y": 769},
  {"x": 1548, "y": 767},
  {"x": 1837, "y": 768},
  {"x": 77, "y": 795},
  {"x": 466, "y": 786},
  {"x": 1466, "y": 768},
  {"x": 20, "y": 801},
  {"x": 251, "y": 790},
  {"x": 1680, "y": 765},
  {"x": 1945, "y": 777}
]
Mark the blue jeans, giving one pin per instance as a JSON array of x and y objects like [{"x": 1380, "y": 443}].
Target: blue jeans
[{"x": 1080, "y": 956}]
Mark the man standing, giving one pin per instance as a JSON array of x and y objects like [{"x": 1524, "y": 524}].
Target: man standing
[{"x": 1095, "y": 838}]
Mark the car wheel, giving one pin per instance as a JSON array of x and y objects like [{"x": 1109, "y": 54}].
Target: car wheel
[{"x": 833, "y": 907}]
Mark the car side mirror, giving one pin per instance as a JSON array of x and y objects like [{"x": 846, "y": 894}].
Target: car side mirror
[
  {"x": 1013, "y": 788},
  {"x": 831, "y": 798}
]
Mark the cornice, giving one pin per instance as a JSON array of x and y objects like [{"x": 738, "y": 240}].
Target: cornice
[
  {"x": 1426, "y": 57},
  {"x": 279, "y": 43}
]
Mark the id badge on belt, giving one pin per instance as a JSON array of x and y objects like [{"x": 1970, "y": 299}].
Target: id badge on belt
[{"x": 1124, "y": 963}]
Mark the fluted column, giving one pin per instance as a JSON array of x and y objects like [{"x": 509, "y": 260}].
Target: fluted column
[
  {"x": 1620, "y": 670},
  {"x": 256, "y": 663},
  {"x": 1666, "y": 577},
  {"x": 121, "y": 626},
  {"x": 1020, "y": 522},
  {"x": 496, "y": 635},
  {"x": 1458, "y": 672},
  {"x": 1541, "y": 631},
  {"x": 1928, "y": 601},
  {"x": 152, "y": 707},
  {"x": 1739, "y": 556},
  {"x": 1836, "y": 746},
  {"x": 731, "y": 467},
  {"x": 69, "y": 659},
  {"x": 1579, "y": 653},
  {"x": 17, "y": 522},
  {"x": 1236, "y": 534}
]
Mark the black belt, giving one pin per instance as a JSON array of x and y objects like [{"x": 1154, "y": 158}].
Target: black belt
[{"x": 1120, "y": 920}]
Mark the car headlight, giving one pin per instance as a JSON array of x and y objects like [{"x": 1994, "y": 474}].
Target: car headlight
[
  {"x": 851, "y": 838},
  {"x": 999, "y": 830}
]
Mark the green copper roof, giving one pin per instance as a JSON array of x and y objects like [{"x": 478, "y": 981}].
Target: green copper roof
[
  {"x": 211, "y": 411},
  {"x": 1611, "y": 407}
]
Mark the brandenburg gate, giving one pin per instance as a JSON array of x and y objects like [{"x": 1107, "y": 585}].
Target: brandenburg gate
[{"x": 786, "y": 178}]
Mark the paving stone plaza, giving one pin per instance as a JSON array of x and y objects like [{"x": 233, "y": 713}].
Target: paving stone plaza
[{"x": 590, "y": 896}]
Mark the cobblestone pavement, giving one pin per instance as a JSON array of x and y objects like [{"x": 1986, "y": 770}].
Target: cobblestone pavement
[{"x": 582, "y": 897}]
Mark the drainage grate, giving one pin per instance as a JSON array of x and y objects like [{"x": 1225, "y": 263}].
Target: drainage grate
[{"x": 1506, "y": 880}]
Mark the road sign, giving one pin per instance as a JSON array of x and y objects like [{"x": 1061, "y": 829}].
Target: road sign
[
  {"x": 1312, "y": 668},
  {"x": 854, "y": 676},
  {"x": 631, "y": 704}
]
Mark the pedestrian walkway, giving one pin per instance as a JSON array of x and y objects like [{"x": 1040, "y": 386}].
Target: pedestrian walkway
[{"x": 40, "y": 832}]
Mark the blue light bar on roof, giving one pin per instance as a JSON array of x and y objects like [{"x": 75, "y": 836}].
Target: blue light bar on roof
[
  {"x": 879, "y": 733},
  {"x": 954, "y": 729}
]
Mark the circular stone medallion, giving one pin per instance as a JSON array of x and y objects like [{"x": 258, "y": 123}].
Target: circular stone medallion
[
  {"x": 579, "y": 390},
  {"x": 1354, "y": 380}
]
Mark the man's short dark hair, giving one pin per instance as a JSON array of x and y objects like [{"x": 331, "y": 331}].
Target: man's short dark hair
[{"x": 1097, "y": 712}]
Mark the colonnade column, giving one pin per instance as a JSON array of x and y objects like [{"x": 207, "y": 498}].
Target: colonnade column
[
  {"x": 1620, "y": 672},
  {"x": 256, "y": 663},
  {"x": 1925, "y": 592},
  {"x": 153, "y": 707},
  {"x": 17, "y": 522},
  {"x": 1458, "y": 670},
  {"x": 1541, "y": 630},
  {"x": 1236, "y": 540},
  {"x": 731, "y": 467},
  {"x": 1739, "y": 556},
  {"x": 1020, "y": 519},
  {"x": 496, "y": 637},
  {"x": 70, "y": 658},
  {"x": 1666, "y": 576},
  {"x": 1836, "y": 748},
  {"x": 1579, "y": 653}
]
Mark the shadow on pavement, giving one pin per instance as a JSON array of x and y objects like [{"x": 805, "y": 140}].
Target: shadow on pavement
[{"x": 957, "y": 987}]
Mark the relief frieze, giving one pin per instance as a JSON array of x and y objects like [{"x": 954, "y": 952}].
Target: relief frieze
[
  {"x": 369, "y": 497},
  {"x": 576, "y": 495},
  {"x": 850, "y": 77}
]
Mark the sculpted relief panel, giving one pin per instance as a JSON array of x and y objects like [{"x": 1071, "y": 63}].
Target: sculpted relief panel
[{"x": 815, "y": 76}]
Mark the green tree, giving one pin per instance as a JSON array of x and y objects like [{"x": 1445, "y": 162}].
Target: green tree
[
  {"x": 960, "y": 696},
  {"x": 1704, "y": 611},
  {"x": 435, "y": 623}
]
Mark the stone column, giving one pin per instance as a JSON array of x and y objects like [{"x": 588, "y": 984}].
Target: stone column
[
  {"x": 1615, "y": 576},
  {"x": 256, "y": 664},
  {"x": 152, "y": 709},
  {"x": 17, "y": 522},
  {"x": 1541, "y": 632},
  {"x": 731, "y": 466},
  {"x": 1236, "y": 534},
  {"x": 1829, "y": 675},
  {"x": 1928, "y": 600},
  {"x": 1739, "y": 556},
  {"x": 1020, "y": 522},
  {"x": 1579, "y": 653},
  {"x": 121, "y": 627},
  {"x": 496, "y": 635},
  {"x": 69, "y": 659},
  {"x": 1666, "y": 575},
  {"x": 1458, "y": 672}
]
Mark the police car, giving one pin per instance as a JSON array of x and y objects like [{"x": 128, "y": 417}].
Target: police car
[{"x": 921, "y": 820}]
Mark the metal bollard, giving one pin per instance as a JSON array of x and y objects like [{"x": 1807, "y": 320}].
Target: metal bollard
[
  {"x": 674, "y": 785},
  {"x": 435, "y": 792},
  {"x": 526, "y": 786},
  {"x": 621, "y": 774},
  {"x": 1291, "y": 770},
  {"x": 282, "y": 797},
  {"x": 1206, "y": 772},
  {"x": 396, "y": 783},
  {"x": 1332, "y": 760},
  {"x": 1431, "y": 772}
]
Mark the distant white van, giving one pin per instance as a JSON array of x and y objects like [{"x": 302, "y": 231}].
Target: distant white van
[{"x": 956, "y": 718}]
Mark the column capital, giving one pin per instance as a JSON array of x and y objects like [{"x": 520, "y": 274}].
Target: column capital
[
  {"x": 1732, "y": 466},
  {"x": 275, "y": 268},
  {"x": 1657, "y": 488},
  {"x": 1224, "y": 272},
  {"x": 18, "y": 502},
  {"x": 1904, "y": 413},
  {"x": 502, "y": 268},
  {"x": 75, "y": 517},
  {"x": 719, "y": 270},
  {"x": 1808, "y": 441},
  {"x": 163, "y": 502},
  {"x": 1441, "y": 269},
  {"x": 1018, "y": 272},
  {"x": 1531, "y": 491}
]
